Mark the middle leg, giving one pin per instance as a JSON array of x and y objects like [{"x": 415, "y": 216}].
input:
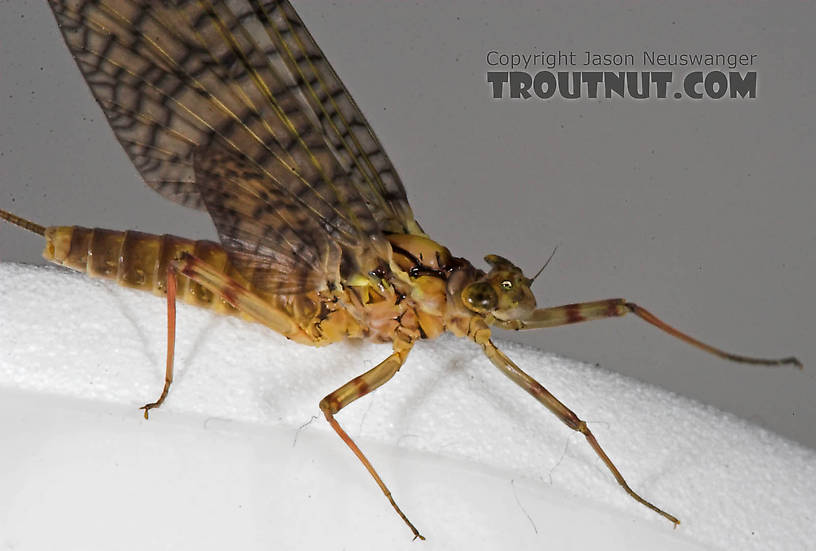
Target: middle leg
[{"x": 357, "y": 388}]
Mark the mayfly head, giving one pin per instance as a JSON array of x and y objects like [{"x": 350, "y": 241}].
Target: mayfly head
[{"x": 503, "y": 292}]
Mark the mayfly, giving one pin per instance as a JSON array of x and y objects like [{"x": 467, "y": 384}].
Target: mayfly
[{"x": 230, "y": 106}]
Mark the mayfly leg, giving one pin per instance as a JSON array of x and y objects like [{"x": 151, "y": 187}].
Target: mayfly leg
[
  {"x": 228, "y": 290},
  {"x": 357, "y": 388},
  {"x": 616, "y": 307},
  {"x": 567, "y": 416},
  {"x": 172, "y": 284}
]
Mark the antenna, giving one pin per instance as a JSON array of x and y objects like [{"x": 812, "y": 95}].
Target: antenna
[{"x": 552, "y": 254}]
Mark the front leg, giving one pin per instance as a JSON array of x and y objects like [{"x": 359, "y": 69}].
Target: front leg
[
  {"x": 617, "y": 307},
  {"x": 357, "y": 388},
  {"x": 481, "y": 335}
]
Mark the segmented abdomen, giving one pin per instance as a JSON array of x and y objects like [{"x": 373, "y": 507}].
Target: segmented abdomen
[{"x": 137, "y": 260}]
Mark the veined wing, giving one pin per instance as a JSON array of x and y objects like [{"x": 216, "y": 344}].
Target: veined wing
[
  {"x": 181, "y": 79},
  {"x": 281, "y": 247},
  {"x": 344, "y": 124}
]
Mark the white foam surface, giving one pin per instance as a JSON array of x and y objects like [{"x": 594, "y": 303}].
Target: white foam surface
[{"x": 473, "y": 460}]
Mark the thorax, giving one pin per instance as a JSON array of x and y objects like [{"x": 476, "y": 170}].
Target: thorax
[{"x": 410, "y": 298}]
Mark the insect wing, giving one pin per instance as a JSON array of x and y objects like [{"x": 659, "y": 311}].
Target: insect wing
[
  {"x": 344, "y": 125},
  {"x": 281, "y": 246},
  {"x": 184, "y": 80}
]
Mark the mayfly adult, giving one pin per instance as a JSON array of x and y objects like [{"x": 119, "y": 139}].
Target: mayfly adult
[{"x": 231, "y": 107}]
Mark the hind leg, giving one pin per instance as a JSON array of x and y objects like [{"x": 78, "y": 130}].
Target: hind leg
[{"x": 227, "y": 289}]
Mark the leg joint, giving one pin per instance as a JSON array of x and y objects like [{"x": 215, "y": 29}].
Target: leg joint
[
  {"x": 575, "y": 423},
  {"x": 329, "y": 405}
]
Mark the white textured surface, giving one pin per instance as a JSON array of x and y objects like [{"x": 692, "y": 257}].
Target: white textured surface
[{"x": 449, "y": 434}]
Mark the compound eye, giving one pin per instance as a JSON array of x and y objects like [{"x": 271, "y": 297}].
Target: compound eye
[
  {"x": 480, "y": 297},
  {"x": 507, "y": 284}
]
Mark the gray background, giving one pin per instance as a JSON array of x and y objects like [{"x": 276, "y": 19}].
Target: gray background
[{"x": 700, "y": 211}]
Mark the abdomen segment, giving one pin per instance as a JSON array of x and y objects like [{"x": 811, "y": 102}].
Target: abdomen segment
[{"x": 137, "y": 260}]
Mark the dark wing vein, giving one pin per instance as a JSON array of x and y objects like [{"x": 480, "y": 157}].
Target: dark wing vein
[
  {"x": 185, "y": 98},
  {"x": 345, "y": 126},
  {"x": 243, "y": 82},
  {"x": 255, "y": 219}
]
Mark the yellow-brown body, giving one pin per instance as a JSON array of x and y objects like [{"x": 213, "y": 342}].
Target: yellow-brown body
[
  {"x": 413, "y": 299},
  {"x": 231, "y": 107},
  {"x": 417, "y": 290}
]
